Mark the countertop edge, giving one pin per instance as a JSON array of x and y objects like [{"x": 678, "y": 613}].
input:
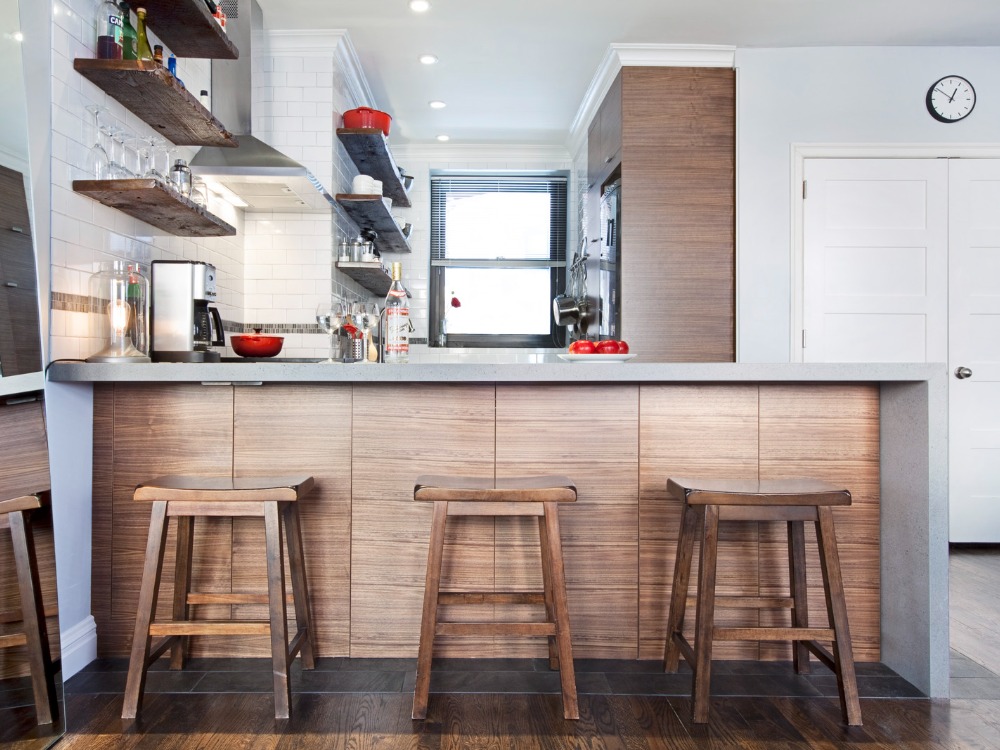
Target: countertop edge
[{"x": 583, "y": 372}]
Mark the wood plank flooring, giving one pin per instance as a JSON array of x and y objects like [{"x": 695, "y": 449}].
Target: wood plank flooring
[{"x": 514, "y": 703}]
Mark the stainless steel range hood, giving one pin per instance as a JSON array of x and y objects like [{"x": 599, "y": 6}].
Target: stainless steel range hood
[{"x": 265, "y": 178}]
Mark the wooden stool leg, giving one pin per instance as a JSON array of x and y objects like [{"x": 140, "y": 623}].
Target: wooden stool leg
[
  {"x": 300, "y": 592},
  {"x": 564, "y": 640},
  {"x": 182, "y": 586},
  {"x": 33, "y": 616},
  {"x": 550, "y": 615},
  {"x": 277, "y": 609},
  {"x": 705, "y": 614},
  {"x": 836, "y": 605},
  {"x": 148, "y": 592},
  {"x": 679, "y": 591},
  {"x": 800, "y": 601},
  {"x": 428, "y": 620}
]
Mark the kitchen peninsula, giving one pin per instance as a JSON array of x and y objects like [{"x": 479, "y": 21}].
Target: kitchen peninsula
[{"x": 619, "y": 430}]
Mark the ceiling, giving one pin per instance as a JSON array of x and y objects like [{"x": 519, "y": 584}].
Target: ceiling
[{"x": 516, "y": 71}]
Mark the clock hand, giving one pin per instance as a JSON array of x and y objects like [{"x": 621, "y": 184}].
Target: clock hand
[{"x": 952, "y": 97}]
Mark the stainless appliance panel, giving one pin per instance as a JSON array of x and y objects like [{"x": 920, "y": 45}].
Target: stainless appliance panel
[{"x": 610, "y": 262}]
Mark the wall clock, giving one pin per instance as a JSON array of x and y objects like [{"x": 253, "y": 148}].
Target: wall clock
[{"x": 951, "y": 99}]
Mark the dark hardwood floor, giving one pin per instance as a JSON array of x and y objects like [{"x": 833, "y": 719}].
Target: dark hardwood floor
[{"x": 506, "y": 703}]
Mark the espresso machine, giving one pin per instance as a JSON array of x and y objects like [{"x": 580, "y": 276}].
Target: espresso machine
[{"x": 184, "y": 326}]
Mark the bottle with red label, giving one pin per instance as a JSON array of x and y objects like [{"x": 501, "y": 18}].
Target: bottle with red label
[
  {"x": 397, "y": 320},
  {"x": 109, "y": 31}
]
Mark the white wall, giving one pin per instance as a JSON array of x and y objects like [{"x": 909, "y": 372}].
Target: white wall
[{"x": 856, "y": 95}]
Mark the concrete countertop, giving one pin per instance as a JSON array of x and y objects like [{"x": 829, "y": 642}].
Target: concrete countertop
[{"x": 556, "y": 372}]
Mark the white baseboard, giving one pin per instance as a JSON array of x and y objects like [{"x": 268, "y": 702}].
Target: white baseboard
[{"x": 79, "y": 646}]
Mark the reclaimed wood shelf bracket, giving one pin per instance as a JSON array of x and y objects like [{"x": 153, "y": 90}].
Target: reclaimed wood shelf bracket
[
  {"x": 370, "y": 275},
  {"x": 187, "y": 28},
  {"x": 156, "y": 204},
  {"x": 370, "y": 212},
  {"x": 369, "y": 150},
  {"x": 152, "y": 94}
]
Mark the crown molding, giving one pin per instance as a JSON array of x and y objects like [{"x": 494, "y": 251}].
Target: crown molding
[
  {"x": 547, "y": 156},
  {"x": 322, "y": 43},
  {"x": 619, "y": 56}
]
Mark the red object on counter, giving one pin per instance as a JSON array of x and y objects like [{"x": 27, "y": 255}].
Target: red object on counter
[
  {"x": 256, "y": 344},
  {"x": 366, "y": 117}
]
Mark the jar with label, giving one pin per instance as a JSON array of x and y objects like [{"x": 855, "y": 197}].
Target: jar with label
[{"x": 180, "y": 175}]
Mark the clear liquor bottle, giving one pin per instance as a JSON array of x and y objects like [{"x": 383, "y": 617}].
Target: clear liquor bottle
[
  {"x": 397, "y": 320},
  {"x": 109, "y": 31}
]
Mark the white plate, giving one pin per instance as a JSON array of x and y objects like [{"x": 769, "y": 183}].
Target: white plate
[{"x": 597, "y": 357}]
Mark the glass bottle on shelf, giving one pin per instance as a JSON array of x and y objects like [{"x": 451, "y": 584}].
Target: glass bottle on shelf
[
  {"x": 143, "y": 50},
  {"x": 397, "y": 320},
  {"x": 130, "y": 41},
  {"x": 109, "y": 31}
]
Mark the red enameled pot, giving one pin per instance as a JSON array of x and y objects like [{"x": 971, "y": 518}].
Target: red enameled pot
[
  {"x": 366, "y": 117},
  {"x": 256, "y": 344}
]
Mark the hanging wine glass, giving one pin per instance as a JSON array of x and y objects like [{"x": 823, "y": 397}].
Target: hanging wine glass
[
  {"x": 330, "y": 316},
  {"x": 167, "y": 149},
  {"x": 156, "y": 145},
  {"x": 140, "y": 150},
  {"x": 117, "y": 136},
  {"x": 98, "y": 163}
]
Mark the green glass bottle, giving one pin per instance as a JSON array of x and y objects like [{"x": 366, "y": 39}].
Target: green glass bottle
[
  {"x": 143, "y": 50},
  {"x": 130, "y": 42}
]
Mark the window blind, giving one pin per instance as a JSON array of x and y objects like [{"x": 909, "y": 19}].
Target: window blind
[{"x": 496, "y": 233}]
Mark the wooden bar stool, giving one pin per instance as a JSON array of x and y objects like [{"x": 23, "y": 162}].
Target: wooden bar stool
[
  {"x": 522, "y": 496},
  {"x": 184, "y": 497},
  {"x": 793, "y": 501},
  {"x": 15, "y": 514}
]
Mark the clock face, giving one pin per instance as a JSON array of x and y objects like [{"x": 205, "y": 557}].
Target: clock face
[{"x": 951, "y": 99}]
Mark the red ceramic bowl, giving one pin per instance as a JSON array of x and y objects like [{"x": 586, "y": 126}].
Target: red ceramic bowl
[
  {"x": 366, "y": 117},
  {"x": 256, "y": 344}
]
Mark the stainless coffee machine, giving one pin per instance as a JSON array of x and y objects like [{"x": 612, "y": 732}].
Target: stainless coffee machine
[{"x": 184, "y": 325}]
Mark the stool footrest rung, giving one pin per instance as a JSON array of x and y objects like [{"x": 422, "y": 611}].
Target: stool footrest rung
[
  {"x": 211, "y": 627},
  {"x": 495, "y": 628},
  {"x": 491, "y": 597},
  {"x": 685, "y": 648},
  {"x": 748, "y": 602},
  {"x": 14, "y": 639},
  {"x": 207, "y": 597},
  {"x": 772, "y": 634}
]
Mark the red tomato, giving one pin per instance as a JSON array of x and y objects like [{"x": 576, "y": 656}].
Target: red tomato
[
  {"x": 623, "y": 347},
  {"x": 582, "y": 347},
  {"x": 607, "y": 347}
]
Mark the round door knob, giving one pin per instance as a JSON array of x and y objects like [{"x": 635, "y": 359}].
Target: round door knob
[{"x": 963, "y": 372}]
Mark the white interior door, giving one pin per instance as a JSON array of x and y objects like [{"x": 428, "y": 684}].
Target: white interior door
[
  {"x": 974, "y": 344},
  {"x": 875, "y": 263}
]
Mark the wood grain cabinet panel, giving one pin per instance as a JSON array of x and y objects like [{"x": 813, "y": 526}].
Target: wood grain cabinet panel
[
  {"x": 299, "y": 429},
  {"x": 400, "y": 432},
  {"x": 677, "y": 133},
  {"x": 169, "y": 429},
  {"x": 24, "y": 470},
  {"x": 542, "y": 429}
]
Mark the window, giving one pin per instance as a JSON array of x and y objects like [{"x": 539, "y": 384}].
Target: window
[{"x": 498, "y": 257}]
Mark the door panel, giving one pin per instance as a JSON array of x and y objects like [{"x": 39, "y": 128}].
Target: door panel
[
  {"x": 974, "y": 342},
  {"x": 875, "y": 260}
]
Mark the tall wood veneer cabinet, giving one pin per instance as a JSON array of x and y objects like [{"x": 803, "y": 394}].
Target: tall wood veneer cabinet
[
  {"x": 20, "y": 344},
  {"x": 669, "y": 134}
]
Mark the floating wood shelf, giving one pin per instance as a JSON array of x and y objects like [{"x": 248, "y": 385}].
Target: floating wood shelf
[
  {"x": 369, "y": 150},
  {"x": 187, "y": 28},
  {"x": 370, "y": 275},
  {"x": 370, "y": 212},
  {"x": 156, "y": 204},
  {"x": 152, "y": 94}
]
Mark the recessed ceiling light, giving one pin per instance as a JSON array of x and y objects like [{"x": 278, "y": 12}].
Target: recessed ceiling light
[
  {"x": 443, "y": 138},
  {"x": 420, "y": 6},
  {"x": 437, "y": 105},
  {"x": 428, "y": 59}
]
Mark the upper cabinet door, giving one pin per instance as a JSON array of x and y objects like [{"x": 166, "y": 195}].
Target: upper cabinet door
[{"x": 20, "y": 334}]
